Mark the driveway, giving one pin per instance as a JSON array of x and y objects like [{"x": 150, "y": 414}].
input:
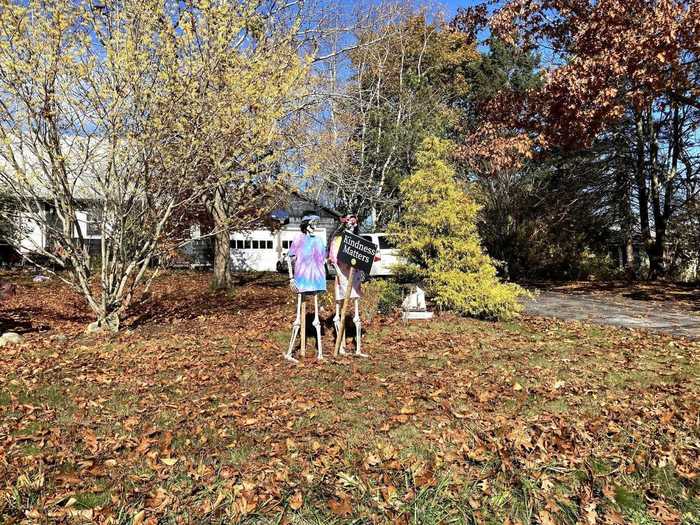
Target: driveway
[{"x": 628, "y": 313}]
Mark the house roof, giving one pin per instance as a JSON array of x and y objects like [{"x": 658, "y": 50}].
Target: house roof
[
  {"x": 24, "y": 166},
  {"x": 85, "y": 157},
  {"x": 305, "y": 197}
]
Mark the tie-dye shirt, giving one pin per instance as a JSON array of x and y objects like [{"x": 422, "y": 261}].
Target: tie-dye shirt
[{"x": 309, "y": 252}]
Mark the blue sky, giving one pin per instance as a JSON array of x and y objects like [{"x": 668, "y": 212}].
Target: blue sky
[
  {"x": 448, "y": 6},
  {"x": 452, "y": 5}
]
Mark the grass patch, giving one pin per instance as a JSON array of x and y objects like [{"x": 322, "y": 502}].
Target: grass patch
[
  {"x": 411, "y": 441},
  {"x": 239, "y": 454},
  {"x": 5, "y": 398},
  {"x": 629, "y": 500},
  {"x": 91, "y": 500},
  {"x": 51, "y": 395}
]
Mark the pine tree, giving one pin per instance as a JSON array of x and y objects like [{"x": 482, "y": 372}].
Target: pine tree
[{"x": 437, "y": 235}]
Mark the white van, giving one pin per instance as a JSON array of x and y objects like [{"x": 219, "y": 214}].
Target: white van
[{"x": 387, "y": 255}]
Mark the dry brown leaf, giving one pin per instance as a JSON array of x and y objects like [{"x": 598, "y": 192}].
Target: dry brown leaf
[
  {"x": 545, "y": 518},
  {"x": 139, "y": 517},
  {"x": 340, "y": 507},
  {"x": 296, "y": 501},
  {"x": 664, "y": 514}
]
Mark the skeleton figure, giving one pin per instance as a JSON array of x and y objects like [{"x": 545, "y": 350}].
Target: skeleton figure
[
  {"x": 307, "y": 276},
  {"x": 342, "y": 272}
]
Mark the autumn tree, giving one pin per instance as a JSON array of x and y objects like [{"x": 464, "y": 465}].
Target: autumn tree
[
  {"x": 630, "y": 64},
  {"x": 538, "y": 215},
  {"x": 254, "y": 85},
  {"x": 121, "y": 116}
]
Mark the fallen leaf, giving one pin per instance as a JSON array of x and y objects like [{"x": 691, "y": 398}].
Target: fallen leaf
[
  {"x": 90, "y": 440},
  {"x": 545, "y": 518},
  {"x": 663, "y": 513},
  {"x": 613, "y": 517},
  {"x": 666, "y": 418},
  {"x": 296, "y": 501},
  {"x": 389, "y": 493},
  {"x": 339, "y": 507}
]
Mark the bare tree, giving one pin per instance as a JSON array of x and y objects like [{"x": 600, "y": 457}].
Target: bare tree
[{"x": 377, "y": 109}]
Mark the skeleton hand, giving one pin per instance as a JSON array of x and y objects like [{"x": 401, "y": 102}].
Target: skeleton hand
[{"x": 293, "y": 285}]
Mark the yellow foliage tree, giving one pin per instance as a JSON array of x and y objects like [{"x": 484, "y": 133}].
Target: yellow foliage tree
[
  {"x": 122, "y": 115},
  {"x": 436, "y": 233},
  {"x": 251, "y": 87}
]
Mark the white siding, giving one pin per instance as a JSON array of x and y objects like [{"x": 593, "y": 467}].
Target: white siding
[{"x": 33, "y": 238}]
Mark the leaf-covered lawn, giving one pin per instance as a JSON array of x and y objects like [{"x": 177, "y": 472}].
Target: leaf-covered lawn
[{"x": 192, "y": 416}]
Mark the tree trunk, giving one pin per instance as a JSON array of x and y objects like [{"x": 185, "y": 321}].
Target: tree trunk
[
  {"x": 222, "y": 279},
  {"x": 626, "y": 223},
  {"x": 106, "y": 322},
  {"x": 663, "y": 240},
  {"x": 643, "y": 195},
  {"x": 629, "y": 257},
  {"x": 657, "y": 249}
]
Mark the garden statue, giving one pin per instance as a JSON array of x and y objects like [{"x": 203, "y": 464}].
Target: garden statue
[
  {"x": 307, "y": 276},
  {"x": 343, "y": 274},
  {"x": 414, "y": 306}
]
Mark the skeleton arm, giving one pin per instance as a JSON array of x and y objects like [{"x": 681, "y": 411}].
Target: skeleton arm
[{"x": 290, "y": 270}]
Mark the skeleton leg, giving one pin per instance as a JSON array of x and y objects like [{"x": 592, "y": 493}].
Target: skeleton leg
[
  {"x": 302, "y": 330},
  {"x": 317, "y": 325},
  {"x": 295, "y": 332},
  {"x": 358, "y": 330},
  {"x": 336, "y": 322}
]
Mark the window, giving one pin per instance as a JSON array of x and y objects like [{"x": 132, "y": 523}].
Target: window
[
  {"x": 246, "y": 244},
  {"x": 268, "y": 244},
  {"x": 286, "y": 244},
  {"x": 94, "y": 224},
  {"x": 368, "y": 238},
  {"x": 255, "y": 245}
]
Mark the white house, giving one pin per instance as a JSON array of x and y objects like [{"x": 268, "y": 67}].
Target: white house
[
  {"x": 31, "y": 234},
  {"x": 256, "y": 250},
  {"x": 261, "y": 248}
]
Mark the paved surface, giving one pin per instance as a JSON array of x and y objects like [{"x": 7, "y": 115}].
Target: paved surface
[{"x": 660, "y": 317}]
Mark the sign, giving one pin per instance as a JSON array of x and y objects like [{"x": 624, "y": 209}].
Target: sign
[{"x": 357, "y": 252}]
